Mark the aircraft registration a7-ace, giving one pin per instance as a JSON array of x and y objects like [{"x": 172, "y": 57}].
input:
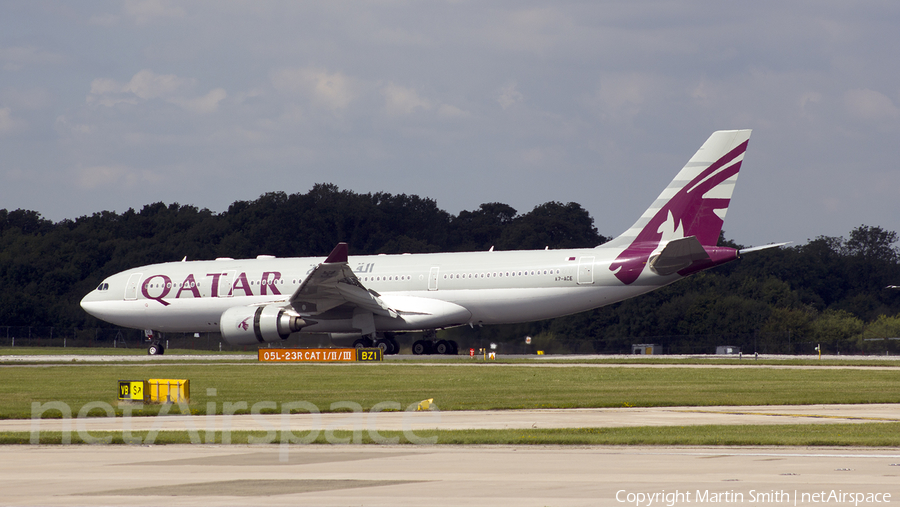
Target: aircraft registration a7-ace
[{"x": 368, "y": 299}]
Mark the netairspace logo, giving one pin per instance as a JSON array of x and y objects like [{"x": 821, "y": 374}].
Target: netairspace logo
[
  {"x": 771, "y": 497},
  {"x": 282, "y": 430}
]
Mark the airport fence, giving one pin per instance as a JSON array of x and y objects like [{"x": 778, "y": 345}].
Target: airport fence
[
  {"x": 778, "y": 343},
  {"x": 749, "y": 343},
  {"x": 45, "y": 336}
]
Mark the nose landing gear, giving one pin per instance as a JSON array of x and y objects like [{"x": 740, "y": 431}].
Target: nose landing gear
[{"x": 155, "y": 348}]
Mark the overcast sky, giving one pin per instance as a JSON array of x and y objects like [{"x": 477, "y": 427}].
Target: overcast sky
[{"x": 110, "y": 105}]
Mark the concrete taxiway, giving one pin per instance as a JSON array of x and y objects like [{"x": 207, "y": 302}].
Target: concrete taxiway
[
  {"x": 474, "y": 419},
  {"x": 376, "y": 475},
  {"x": 440, "y": 475}
]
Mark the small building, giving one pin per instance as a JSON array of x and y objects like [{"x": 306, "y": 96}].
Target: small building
[
  {"x": 646, "y": 349},
  {"x": 727, "y": 349}
]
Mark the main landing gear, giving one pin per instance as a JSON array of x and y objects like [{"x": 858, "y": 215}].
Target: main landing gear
[
  {"x": 388, "y": 344},
  {"x": 447, "y": 347},
  {"x": 384, "y": 341},
  {"x": 431, "y": 345}
]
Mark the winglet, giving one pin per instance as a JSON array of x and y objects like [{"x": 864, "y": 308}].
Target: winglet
[{"x": 338, "y": 255}]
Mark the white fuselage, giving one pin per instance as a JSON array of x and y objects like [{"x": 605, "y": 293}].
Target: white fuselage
[
  {"x": 266, "y": 299},
  {"x": 481, "y": 287}
]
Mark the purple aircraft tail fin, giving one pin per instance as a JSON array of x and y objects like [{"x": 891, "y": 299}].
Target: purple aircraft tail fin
[{"x": 694, "y": 204}]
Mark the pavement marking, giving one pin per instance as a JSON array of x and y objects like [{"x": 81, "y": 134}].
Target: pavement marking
[{"x": 248, "y": 487}]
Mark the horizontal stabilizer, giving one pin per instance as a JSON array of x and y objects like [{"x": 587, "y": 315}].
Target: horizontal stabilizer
[{"x": 677, "y": 255}]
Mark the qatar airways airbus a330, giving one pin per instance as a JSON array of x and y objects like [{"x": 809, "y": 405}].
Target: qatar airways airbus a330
[{"x": 370, "y": 298}]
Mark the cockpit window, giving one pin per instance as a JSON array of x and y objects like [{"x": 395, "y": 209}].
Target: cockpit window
[{"x": 103, "y": 286}]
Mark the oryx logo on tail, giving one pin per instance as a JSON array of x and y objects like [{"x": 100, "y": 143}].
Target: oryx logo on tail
[{"x": 694, "y": 204}]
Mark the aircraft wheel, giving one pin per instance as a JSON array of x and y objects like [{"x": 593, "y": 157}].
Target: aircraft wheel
[
  {"x": 442, "y": 347},
  {"x": 156, "y": 349},
  {"x": 385, "y": 346},
  {"x": 421, "y": 347},
  {"x": 395, "y": 347},
  {"x": 362, "y": 343},
  {"x": 454, "y": 348}
]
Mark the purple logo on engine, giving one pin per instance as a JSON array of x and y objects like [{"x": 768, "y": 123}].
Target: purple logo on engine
[
  {"x": 243, "y": 324},
  {"x": 693, "y": 215}
]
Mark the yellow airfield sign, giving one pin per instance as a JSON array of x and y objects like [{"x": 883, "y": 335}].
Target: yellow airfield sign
[
  {"x": 319, "y": 355},
  {"x": 133, "y": 390}
]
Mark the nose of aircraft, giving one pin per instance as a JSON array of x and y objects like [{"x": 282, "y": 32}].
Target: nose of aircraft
[
  {"x": 85, "y": 304},
  {"x": 91, "y": 303}
]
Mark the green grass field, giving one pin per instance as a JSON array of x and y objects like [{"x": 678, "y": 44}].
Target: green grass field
[
  {"x": 111, "y": 354},
  {"x": 463, "y": 385},
  {"x": 453, "y": 386}
]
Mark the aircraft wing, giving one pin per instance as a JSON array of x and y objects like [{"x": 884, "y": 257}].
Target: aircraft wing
[{"x": 331, "y": 284}]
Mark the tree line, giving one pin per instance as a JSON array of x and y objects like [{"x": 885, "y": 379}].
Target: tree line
[{"x": 829, "y": 291}]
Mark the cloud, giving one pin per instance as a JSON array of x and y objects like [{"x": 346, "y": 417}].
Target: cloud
[
  {"x": 146, "y": 11},
  {"x": 206, "y": 104},
  {"x": 447, "y": 111},
  {"x": 536, "y": 30},
  {"x": 104, "y": 19},
  {"x": 387, "y": 88},
  {"x": 808, "y": 98},
  {"x": 103, "y": 86},
  {"x": 147, "y": 85},
  {"x": 865, "y": 104},
  {"x": 7, "y": 123},
  {"x": 26, "y": 98},
  {"x": 18, "y": 57},
  {"x": 509, "y": 96},
  {"x": 400, "y": 100},
  {"x": 113, "y": 176},
  {"x": 624, "y": 96},
  {"x": 64, "y": 126},
  {"x": 331, "y": 90},
  {"x": 624, "y": 91}
]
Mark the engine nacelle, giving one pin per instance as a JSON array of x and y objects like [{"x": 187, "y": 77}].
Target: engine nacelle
[{"x": 246, "y": 325}]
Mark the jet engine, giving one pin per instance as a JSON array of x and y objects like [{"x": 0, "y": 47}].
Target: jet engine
[{"x": 246, "y": 325}]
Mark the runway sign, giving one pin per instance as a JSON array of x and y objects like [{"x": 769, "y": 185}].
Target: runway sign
[
  {"x": 133, "y": 390},
  {"x": 319, "y": 355}
]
